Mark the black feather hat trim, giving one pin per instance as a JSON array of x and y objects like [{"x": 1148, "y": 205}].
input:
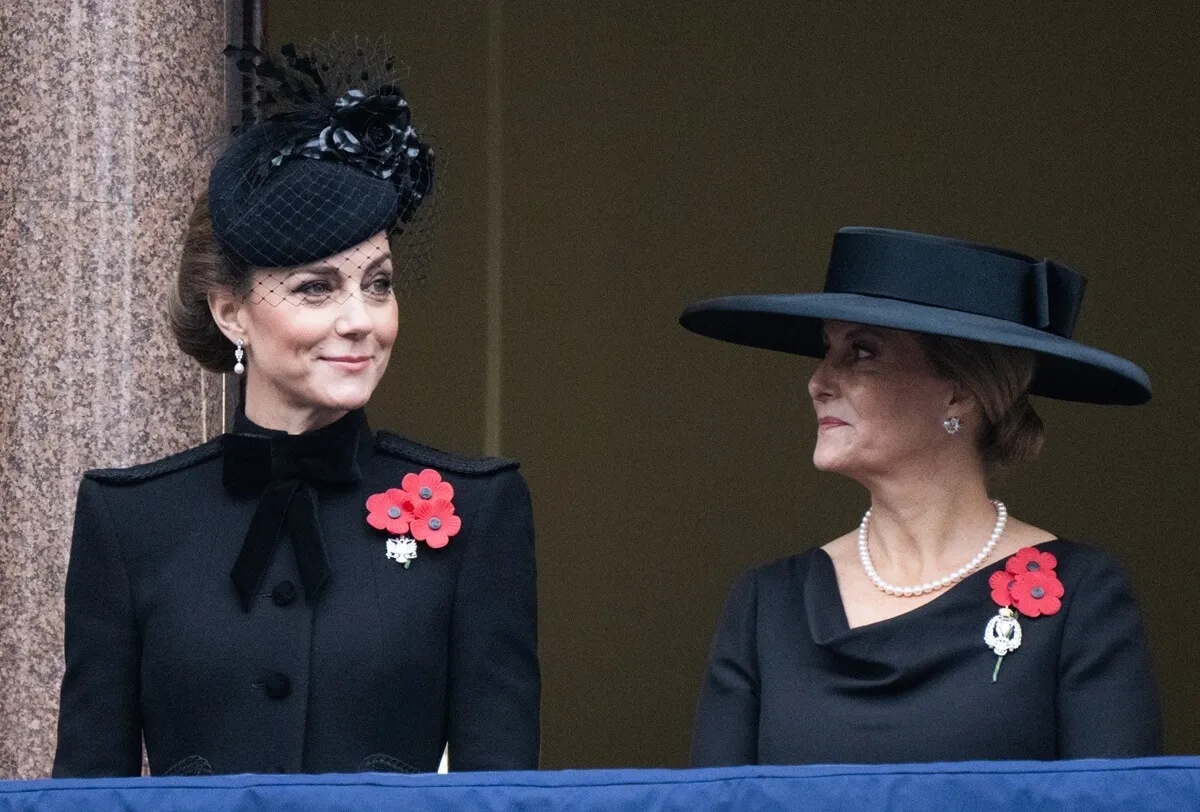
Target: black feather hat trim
[{"x": 332, "y": 160}]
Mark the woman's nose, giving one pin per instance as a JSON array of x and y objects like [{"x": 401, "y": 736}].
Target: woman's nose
[
  {"x": 354, "y": 318},
  {"x": 820, "y": 385}
]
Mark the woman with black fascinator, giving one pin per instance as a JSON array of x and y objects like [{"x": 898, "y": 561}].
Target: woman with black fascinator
[{"x": 303, "y": 594}]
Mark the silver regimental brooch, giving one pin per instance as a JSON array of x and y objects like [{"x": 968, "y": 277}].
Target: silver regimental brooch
[
  {"x": 1003, "y": 634},
  {"x": 402, "y": 550}
]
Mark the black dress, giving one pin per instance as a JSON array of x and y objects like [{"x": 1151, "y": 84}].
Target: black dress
[
  {"x": 320, "y": 653},
  {"x": 789, "y": 682}
]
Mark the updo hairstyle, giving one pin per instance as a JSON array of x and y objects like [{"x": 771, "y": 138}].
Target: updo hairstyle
[{"x": 204, "y": 268}]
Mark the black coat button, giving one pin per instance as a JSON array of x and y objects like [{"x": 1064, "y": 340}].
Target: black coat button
[
  {"x": 283, "y": 593},
  {"x": 277, "y": 685}
]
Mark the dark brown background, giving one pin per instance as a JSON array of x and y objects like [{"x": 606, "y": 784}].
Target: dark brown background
[{"x": 649, "y": 154}]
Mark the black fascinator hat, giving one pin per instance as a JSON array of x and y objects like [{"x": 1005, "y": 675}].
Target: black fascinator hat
[
  {"x": 942, "y": 286},
  {"x": 332, "y": 160}
]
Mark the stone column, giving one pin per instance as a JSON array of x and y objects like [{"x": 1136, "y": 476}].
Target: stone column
[{"x": 111, "y": 108}]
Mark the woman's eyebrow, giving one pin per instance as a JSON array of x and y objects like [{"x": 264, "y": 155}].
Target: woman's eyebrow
[
  {"x": 377, "y": 263},
  {"x": 314, "y": 270},
  {"x": 370, "y": 266},
  {"x": 861, "y": 332},
  {"x": 330, "y": 270}
]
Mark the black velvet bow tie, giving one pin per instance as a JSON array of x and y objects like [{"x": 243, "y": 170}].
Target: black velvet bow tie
[{"x": 285, "y": 471}]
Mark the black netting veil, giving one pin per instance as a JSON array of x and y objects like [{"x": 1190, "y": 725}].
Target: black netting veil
[{"x": 329, "y": 172}]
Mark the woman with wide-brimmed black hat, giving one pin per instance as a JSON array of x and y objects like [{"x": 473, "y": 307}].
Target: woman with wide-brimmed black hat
[
  {"x": 941, "y": 628},
  {"x": 303, "y": 594}
]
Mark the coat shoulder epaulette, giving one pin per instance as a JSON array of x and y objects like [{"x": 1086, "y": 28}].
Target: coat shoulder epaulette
[
  {"x": 412, "y": 451},
  {"x": 152, "y": 470}
]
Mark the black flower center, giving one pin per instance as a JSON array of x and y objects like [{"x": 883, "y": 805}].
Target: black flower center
[
  {"x": 1033, "y": 566},
  {"x": 1038, "y": 592}
]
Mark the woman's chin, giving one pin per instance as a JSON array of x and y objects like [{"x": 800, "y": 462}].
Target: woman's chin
[
  {"x": 346, "y": 398},
  {"x": 829, "y": 463}
]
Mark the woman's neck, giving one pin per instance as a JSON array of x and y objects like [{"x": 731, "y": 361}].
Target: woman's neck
[
  {"x": 289, "y": 418},
  {"x": 928, "y": 522}
]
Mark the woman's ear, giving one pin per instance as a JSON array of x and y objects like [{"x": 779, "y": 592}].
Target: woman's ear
[
  {"x": 962, "y": 403},
  {"x": 226, "y": 309}
]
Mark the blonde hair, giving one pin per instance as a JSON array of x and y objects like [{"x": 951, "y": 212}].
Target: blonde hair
[{"x": 998, "y": 378}]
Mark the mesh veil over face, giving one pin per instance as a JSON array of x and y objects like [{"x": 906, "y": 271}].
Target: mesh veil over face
[
  {"x": 364, "y": 271},
  {"x": 333, "y": 163}
]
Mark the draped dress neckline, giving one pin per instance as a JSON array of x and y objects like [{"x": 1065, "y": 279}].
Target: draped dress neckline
[{"x": 888, "y": 655}]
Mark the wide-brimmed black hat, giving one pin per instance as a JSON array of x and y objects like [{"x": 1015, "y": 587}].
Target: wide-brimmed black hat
[{"x": 943, "y": 286}]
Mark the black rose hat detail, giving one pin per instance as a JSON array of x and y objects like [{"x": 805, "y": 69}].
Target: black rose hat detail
[{"x": 333, "y": 160}]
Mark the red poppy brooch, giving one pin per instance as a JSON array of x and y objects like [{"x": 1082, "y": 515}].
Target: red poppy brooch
[
  {"x": 1029, "y": 584},
  {"x": 421, "y": 509}
]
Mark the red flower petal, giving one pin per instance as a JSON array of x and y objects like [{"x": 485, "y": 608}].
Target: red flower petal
[
  {"x": 1030, "y": 559},
  {"x": 1037, "y": 592},
  {"x": 1000, "y": 582},
  {"x": 439, "y": 512},
  {"x": 437, "y": 538},
  {"x": 381, "y": 506},
  {"x": 413, "y": 512},
  {"x": 421, "y": 531},
  {"x": 429, "y": 481}
]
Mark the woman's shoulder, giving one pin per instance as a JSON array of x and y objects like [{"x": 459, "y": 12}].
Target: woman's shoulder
[
  {"x": 149, "y": 471},
  {"x": 1080, "y": 561},
  {"x": 1080, "y": 555},
  {"x": 782, "y": 573},
  {"x": 410, "y": 452}
]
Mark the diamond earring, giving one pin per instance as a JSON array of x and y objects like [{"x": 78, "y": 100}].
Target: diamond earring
[
  {"x": 238, "y": 355},
  {"x": 951, "y": 425}
]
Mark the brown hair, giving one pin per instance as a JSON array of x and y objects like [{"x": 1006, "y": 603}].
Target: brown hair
[
  {"x": 203, "y": 268},
  {"x": 999, "y": 379}
]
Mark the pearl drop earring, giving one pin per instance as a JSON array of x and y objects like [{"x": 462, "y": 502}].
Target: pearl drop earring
[
  {"x": 951, "y": 425},
  {"x": 238, "y": 355}
]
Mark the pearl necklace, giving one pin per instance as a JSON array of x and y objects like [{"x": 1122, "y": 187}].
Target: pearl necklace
[{"x": 953, "y": 578}]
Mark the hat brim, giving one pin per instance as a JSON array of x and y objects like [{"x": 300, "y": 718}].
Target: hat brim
[{"x": 1066, "y": 369}]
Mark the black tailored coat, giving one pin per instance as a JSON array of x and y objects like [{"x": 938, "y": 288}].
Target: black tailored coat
[{"x": 377, "y": 672}]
